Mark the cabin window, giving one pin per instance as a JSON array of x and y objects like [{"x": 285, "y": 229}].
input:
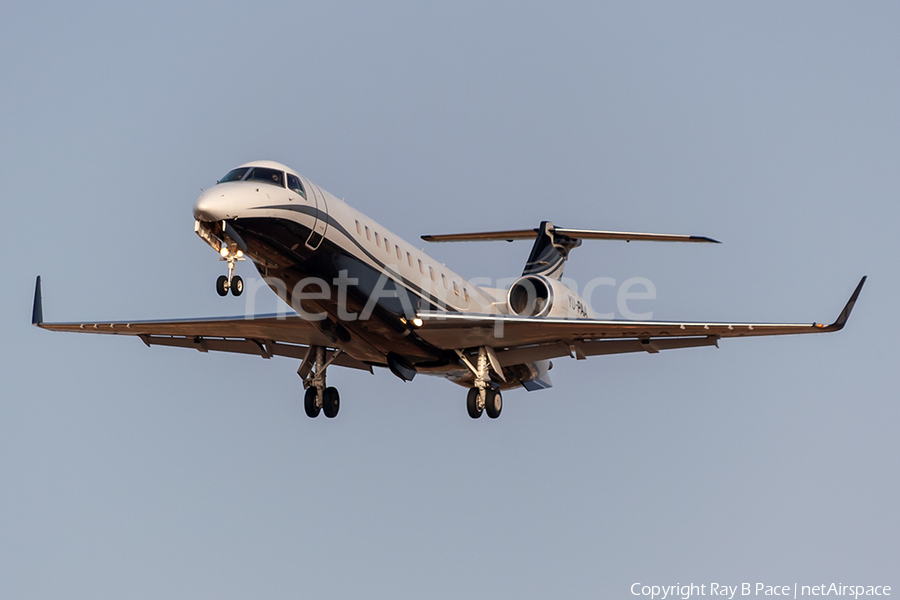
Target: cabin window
[
  {"x": 368, "y": 234},
  {"x": 431, "y": 272},
  {"x": 466, "y": 294},
  {"x": 358, "y": 228},
  {"x": 399, "y": 254},
  {"x": 295, "y": 185},
  {"x": 387, "y": 246},
  {"x": 421, "y": 268},
  {"x": 377, "y": 239},
  {"x": 409, "y": 258},
  {"x": 455, "y": 288},
  {"x": 444, "y": 280}
]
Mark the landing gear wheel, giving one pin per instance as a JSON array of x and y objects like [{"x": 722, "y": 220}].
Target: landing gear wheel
[
  {"x": 493, "y": 404},
  {"x": 222, "y": 285},
  {"x": 331, "y": 402},
  {"x": 309, "y": 403},
  {"x": 237, "y": 285},
  {"x": 472, "y": 403}
]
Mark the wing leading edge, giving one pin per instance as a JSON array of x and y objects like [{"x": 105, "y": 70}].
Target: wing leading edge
[
  {"x": 515, "y": 339},
  {"x": 261, "y": 335},
  {"x": 533, "y": 338}
]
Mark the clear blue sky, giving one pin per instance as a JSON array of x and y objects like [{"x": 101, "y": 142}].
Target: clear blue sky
[{"x": 128, "y": 472}]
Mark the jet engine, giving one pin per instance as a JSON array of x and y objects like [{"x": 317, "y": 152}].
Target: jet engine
[{"x": 539, "y": 296}]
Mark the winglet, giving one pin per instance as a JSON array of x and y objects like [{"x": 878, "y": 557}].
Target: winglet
[
  {"x": 845, "y": 314},
  {"x": 37, "y": 311}
]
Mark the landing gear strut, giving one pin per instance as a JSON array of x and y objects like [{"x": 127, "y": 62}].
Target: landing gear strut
[
  {"x": 484, "y": 397},
  {"x": 318, "y": 397},
  {"x": 231, "y": 254}
]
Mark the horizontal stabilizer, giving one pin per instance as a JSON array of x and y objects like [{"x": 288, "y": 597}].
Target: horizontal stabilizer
[
  {"x": 575, "y": 234},
  {"x": 484, "y": 236},
  {"x": 552, "y": 244}
]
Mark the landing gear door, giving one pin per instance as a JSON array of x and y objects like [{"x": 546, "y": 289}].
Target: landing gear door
[{"x": 321, "y": 224}]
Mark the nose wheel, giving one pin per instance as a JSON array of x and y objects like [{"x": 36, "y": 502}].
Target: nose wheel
[{"x": 236, "y": 285}]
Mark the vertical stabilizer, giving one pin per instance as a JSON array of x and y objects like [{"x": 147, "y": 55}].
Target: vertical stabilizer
[{"x": 549, "y": 253}]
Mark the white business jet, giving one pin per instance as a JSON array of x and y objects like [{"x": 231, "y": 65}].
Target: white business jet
[{"x": 363, "y": 298}]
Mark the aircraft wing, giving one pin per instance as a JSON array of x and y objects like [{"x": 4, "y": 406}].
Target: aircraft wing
[
  {"x": 261, "y": 335},
  {"x": 520, "y": 339}
]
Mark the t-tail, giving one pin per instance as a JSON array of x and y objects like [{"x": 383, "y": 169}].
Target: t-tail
[{"x": 552, "y": 244}]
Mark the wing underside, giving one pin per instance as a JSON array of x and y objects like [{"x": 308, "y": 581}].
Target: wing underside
[
  {"x": 515, "y": 339},
  {"x": 286, "y": 335},
  {"x": 518, "y": 339}
]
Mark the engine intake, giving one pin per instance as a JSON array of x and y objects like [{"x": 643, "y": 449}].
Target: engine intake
[
  {"x": 539, "y": 296},
  {"x": 530, "y": 296}
]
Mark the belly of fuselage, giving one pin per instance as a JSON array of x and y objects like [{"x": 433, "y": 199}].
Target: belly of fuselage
[{"x": 367, "y": 330}]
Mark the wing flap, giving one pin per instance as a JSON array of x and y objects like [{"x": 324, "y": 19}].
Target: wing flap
[
  {"x": 264, "y": 348},
  {"x": 580, "y": 350}
]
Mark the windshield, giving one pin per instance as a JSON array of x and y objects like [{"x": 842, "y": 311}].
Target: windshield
[
  {"x": 268, "y": 175},
  {"x": 234, "y": 175},
  {"x": 294, "y": 184}
]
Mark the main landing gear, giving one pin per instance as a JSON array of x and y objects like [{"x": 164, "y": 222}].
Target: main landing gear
[
  {"x": 492, "y": 403},
  {"x": 484, "y": 397},
  {"x": 232, "y": 282},
  {"x": 318, "y": 397}
]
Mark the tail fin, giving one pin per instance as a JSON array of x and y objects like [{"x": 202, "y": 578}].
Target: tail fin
[{"x": 549, "y": 252}]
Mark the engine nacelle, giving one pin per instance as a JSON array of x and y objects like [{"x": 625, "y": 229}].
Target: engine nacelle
[{"x": 539, "y": 296}]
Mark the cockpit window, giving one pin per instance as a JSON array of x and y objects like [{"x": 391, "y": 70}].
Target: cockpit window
[
  {"x": 234, "y": 175},
  {"x": 268, "y": 175},
  {"x": 294, "y": 184}
]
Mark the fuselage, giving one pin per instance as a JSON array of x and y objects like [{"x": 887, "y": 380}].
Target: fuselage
[{"x": 360, "y": 283}]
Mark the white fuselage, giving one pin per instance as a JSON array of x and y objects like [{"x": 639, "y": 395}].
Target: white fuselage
[{"x": 297, "y": 236}]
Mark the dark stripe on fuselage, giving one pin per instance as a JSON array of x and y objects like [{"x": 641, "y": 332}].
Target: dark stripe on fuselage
[{"x": 332, "y": 222}]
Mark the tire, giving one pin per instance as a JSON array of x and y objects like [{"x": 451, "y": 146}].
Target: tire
[
  {"x": 493, "y": 404},
  {"x": 472, "y": 403},
  {"x": 237, "y": 285},
  {"x": 222, "y": 285},
  {"x": 331, "y": 402},
  {"x": 309, "y": 403}
]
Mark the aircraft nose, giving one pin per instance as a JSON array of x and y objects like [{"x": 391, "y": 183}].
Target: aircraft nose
[{"x": 209, "y": 206}]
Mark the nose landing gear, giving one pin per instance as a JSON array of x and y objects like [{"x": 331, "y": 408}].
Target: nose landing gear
[
  {"x": 216, "y": 234},
  {"x": 232, "y": 282},
  {"x": 236, "y": 285}
]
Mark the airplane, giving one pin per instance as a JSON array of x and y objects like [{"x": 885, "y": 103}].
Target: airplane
[{"x": 361, "y": 297}]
